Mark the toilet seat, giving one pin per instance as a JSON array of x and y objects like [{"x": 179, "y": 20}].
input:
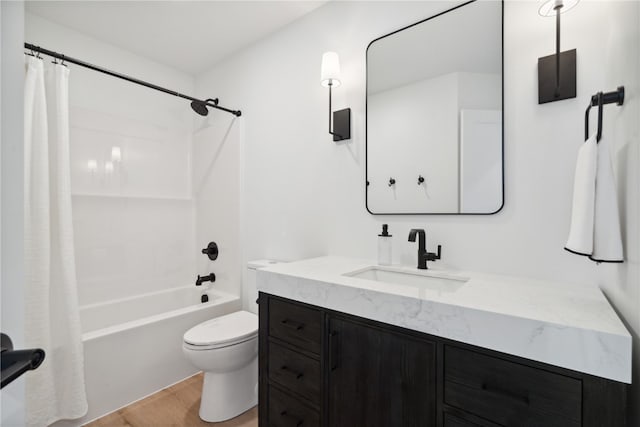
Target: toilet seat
[{"x": 223, "y": 331}]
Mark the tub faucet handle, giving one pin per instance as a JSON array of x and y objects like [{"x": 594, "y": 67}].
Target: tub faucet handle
[{"x": 211, "y": 251}]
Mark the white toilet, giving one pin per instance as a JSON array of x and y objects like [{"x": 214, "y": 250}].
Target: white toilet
[{"x": 226, "y": 350}]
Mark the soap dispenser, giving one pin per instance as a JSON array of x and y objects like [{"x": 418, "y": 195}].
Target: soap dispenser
[{"x": 384, "y": 246}]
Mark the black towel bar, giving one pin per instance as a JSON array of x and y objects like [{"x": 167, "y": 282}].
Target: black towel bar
[
  {"x": 17, "y": 362},
  {"x": 600, "y": 99}
]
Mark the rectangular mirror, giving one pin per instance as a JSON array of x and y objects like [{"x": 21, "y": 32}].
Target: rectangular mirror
[{"x": 434, "y": 115}]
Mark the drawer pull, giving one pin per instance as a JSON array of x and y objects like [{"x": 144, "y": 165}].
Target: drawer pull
[
  {"x": 333, "y": 350},
  {"x": 499, "y": 391},
  {"x": 292, "y": 324},
  {"x": 297, "y": 374},
  {"x": 298, "y": 422}
]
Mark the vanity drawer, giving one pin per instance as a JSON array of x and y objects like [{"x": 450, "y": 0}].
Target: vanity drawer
[
  {"x": 287, "y": 411},
  {"x": 295, "y": 324},
  {"x": 297, "y": 372},
  {"x": 509, "y": 393}
]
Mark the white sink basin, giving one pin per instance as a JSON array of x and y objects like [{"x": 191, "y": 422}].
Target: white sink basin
[{"x": 421, "y": 280}]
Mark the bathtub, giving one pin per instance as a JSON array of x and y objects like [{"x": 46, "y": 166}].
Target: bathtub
[{"x": 133, "y": 346}]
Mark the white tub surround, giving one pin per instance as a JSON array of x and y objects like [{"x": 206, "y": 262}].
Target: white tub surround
[
  {"x": 565, "y": 326},
  {"x": 133, "y": 346}
]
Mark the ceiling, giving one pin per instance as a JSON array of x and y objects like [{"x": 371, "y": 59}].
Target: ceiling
[{"x": 190, "y": 36}]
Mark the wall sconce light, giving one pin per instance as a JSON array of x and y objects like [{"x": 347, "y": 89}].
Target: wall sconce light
[
  {"x": 557, "y": 73},
  {"x": 92, "y": 165},
  {"x": 330, "y": 77}
]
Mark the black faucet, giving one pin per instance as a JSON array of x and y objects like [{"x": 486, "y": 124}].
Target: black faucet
[
  {"x": 423, "y": 255},
  {"x": 201, "y": 279}
]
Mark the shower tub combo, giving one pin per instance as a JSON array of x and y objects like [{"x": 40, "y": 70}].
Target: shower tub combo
[{"x": 133, "y": 346}]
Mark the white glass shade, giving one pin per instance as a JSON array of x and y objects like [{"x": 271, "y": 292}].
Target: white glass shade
[
  {"x": 116, "y": 154},
  {"x": 330, "y": 69},
  {"x": 548, "y": 7},
  {"x": 92, "y": 165}
]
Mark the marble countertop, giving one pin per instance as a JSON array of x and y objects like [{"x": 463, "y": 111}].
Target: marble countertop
[{"x": 555, "y": 323}]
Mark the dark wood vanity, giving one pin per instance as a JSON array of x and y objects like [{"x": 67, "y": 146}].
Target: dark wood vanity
[{"x": 319, "y": 367}]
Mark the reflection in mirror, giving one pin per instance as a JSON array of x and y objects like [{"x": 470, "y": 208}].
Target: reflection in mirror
[{"x": 434, "y": 115}]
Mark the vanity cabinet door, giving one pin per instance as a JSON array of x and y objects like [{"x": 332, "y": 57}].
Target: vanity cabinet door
[{"x": 379, "y": 378}]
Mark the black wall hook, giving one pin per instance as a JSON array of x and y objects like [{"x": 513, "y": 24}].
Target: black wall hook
[
  {"x": 392, "y": 182},
  {"x": 420, "y": 179}
]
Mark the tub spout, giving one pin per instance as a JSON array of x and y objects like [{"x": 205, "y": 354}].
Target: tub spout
[{"x": 201, "y": 279}]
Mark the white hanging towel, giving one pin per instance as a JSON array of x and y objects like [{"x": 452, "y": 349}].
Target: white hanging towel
[
  {"x": 607, "y": 240},
  {"x": 580, "y": 239}
]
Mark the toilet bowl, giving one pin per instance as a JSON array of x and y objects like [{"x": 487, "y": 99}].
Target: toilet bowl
[{"x": 226, "y": 350}]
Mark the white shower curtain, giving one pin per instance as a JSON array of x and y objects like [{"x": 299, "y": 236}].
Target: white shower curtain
[{"x": 56, "y": 389}]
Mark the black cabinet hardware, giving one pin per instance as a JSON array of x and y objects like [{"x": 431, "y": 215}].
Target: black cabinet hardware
[
  {"x": 295, "y": 373},
  {"x": 503, "y": 392},
  {"x": 333, "y": 350},
  {"x": 293, "y": 324},
  {"x": 297, "y": 421}
]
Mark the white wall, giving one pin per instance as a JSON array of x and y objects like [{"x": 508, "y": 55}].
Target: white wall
[
  {"x": 305, "y": 194},
  {"x": 216, "y": 193},
  {"x": 11, "y": 198},
  {"x": 134, "y": 227}
]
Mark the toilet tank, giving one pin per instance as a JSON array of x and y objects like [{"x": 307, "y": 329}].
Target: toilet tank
[{"x": 250, "y": 290}]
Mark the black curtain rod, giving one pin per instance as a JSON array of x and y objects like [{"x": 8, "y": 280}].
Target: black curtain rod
[{"x": 66, "y": 58}]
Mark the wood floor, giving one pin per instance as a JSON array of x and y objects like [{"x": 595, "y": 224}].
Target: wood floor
[{"x": 176, "y": 406}]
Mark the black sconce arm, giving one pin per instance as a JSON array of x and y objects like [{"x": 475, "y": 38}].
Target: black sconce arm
[{"x": 341, "y": 128}]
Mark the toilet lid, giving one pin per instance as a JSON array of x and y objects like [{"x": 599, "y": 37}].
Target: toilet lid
[{"x": 231, "y": 328}]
